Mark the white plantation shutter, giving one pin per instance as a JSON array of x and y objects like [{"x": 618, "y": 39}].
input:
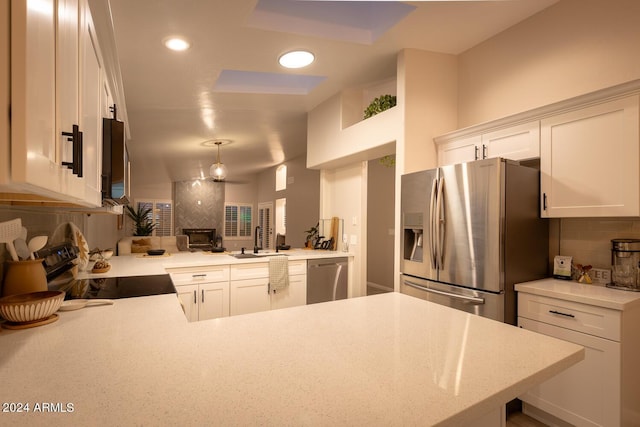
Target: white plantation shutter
[
  {"x": 163, "y": 217},
  {"x": 237, "y": 220},
  {"x": 161, "y": 214}
]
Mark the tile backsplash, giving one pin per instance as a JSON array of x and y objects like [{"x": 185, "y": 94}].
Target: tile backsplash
[
  {"x": 38, "y": 221},
  {"x": 588, "y": 240}
]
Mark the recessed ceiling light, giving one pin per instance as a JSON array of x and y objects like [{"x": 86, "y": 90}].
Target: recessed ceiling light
[
  {"x": 296, "y": 59},
  {"x": 176, "y": 43}
]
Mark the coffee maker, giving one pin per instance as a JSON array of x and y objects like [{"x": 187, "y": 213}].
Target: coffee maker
[{"x": 625, "y": 264}]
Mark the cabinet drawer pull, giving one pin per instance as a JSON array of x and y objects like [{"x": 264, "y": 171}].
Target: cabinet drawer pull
[
  {"x": 561, "y": 313},
  {"x": 198, "y": 275}
]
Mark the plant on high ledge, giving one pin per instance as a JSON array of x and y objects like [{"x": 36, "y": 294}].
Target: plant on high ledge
[
  {"x": 380, "y": 104},
  {"x": 142, "y": 222}
]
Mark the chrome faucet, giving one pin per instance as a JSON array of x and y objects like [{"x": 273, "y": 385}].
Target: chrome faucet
[{"x": 255, "y": 240}]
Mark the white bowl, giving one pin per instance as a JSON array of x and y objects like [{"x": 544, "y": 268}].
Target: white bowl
[{"x": 30, "y": 307}]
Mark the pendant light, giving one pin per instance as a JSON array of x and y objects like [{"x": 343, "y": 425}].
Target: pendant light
[{"x": 218, "y": 170}]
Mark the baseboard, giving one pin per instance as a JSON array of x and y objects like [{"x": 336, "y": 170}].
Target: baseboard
[{"x": 379, "y": 286}]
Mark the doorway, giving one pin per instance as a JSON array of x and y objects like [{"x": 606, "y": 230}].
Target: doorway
[
  {"x": 381, "y": 184},
  {"x": 265, "y": 222}
]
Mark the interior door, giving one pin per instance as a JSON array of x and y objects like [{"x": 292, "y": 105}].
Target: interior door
[{"x": 265, "y": 221}]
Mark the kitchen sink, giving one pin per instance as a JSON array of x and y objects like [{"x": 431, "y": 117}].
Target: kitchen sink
[
  {"x": 240, "y": 256},
  {"x": 258, "y": 255}
]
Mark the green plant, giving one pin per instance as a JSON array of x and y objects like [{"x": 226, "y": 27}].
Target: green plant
[
  {"x": 378, "y": 105},
  {"x": 312, "y": 234},
  {"x": 141, "y": 217}
]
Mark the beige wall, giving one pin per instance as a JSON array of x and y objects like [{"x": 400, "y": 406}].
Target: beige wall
[
  {"x": 571, "y": 48},
  {"x": 302, "y": 194}
]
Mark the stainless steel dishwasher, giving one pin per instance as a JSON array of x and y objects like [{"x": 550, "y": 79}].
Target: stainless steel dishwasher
[{"x": 326, "y": 279}]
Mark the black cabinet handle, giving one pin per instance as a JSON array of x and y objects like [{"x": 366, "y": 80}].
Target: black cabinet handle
[
  {"x": 203, "y": 295},
  {"x": 484, "y": 151},
  {"x": 476, "y": 153},
  {"x": 544, "y": 201},
  {"x": 195, "y": 297},
  {"x": 75, "y": 137},
  {"x": 561, "y": 313}
]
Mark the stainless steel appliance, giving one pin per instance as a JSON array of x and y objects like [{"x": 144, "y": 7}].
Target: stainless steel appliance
[
  {"x": 326, "y": 279},
  {"x": 470, "y": 232},
  {"x": 625, "y": 264},
  {"x": 59, "y": 260}
]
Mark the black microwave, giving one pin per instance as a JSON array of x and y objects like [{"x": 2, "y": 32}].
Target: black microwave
[{"x": 115, "y": 163}]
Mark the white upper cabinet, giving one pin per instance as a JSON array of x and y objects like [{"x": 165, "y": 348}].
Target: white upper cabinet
[
  {"x": 589, "y": 161},
  {"x": 460, "y": 150},
  {"x": 33, "y": 149},
  {"x": 56, "y": 89},
  {"x": 518, "y": 142},
  {"x": 92, "y": 101}
]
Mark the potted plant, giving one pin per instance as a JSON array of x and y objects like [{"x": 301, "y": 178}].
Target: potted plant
[
  {"x": 312, "y": 234},
  {"x": 380, "y": 104},
  {"x": 143, "y": 225}
]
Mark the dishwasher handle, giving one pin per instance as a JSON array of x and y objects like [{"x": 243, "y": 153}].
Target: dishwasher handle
[{"x": 473, "y": 300}]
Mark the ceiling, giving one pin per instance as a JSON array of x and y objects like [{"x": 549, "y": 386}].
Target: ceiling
[{"x": 229, "y": 85}]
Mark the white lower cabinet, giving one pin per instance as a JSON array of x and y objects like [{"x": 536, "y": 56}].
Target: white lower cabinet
[
  {"x": 601, "y": 389},
  {"x": 203, "y": 292},
  {"x": 296, "y": 293},
  {"x": 250, "y": 291}
]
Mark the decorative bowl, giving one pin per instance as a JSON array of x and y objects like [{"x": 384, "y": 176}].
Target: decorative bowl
[
  {"x": 30, "y": 307},
  {"x": 155, "y": 252}
]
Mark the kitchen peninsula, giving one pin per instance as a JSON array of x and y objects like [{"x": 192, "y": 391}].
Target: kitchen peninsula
[{"x": 387, "y": 359}]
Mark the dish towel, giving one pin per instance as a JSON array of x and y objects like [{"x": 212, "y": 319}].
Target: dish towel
[{"x": 278, "y": 273}]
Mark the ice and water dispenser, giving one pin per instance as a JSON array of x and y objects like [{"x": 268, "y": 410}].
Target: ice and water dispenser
[
  {"x": 625, "y": 264},
  {"x": 413, "y": 237}
]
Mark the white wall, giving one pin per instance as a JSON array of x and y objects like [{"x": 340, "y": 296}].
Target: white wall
[{"x": 344, "y": 195}]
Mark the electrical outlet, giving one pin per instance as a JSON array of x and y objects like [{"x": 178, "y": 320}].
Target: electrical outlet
[{"x": 600, "y": 275}]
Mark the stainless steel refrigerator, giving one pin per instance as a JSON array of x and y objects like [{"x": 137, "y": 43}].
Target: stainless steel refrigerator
[{"x": 470, "y": 232}]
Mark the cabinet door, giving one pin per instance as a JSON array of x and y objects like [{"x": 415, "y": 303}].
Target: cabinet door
[
  {"x": 295, "y": 294},
  {"x": 460, "y": 151},
  {"x": 188, "y": 296},
  {"x": 516, "y": 142},
  {"x": 214, "y": 300},
  {"x": 589, "y": 161},
  {"x": 249, "y": 296},
  {"x": 91, "y": 110},
  {"x": 586, "y": 394},
  {"x": 33, "y": 96}
]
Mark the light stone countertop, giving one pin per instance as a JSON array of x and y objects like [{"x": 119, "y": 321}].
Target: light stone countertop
[
  {"x": 387, "y": 359},
  {"x": 144, "y": 265},
  {"x": 591, "y": 294}
]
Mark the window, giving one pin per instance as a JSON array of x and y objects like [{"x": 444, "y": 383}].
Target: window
[
  {"x": 281, "y": 178},
  {"x": 238, "y": 220},
  {"x": 161, "y": 214}
]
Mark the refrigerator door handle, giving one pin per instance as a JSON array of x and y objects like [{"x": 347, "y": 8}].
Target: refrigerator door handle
[
  {"x": 433, "y": 256},
  {"x": 439, "y": 221},
  {"x": 472, "y": 300}
]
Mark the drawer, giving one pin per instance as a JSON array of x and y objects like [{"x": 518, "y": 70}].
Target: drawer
[
  {"x": 297, "y": 267},
  {"x": 200, "y": 275},
  {"x": 250, "y": 271},
  {"x": 589, "y": 319}
]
